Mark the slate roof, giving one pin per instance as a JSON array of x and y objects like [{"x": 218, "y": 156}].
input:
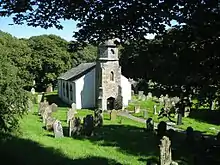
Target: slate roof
[{"x": 77, "y": 71}]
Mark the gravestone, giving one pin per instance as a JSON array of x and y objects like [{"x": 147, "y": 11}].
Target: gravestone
[
  {"x": 137, "y": 109},
  {"x": 113, "y": 115},
  {"x": 75, "y": 127},
  {"x": 39, "y": 98},
  {"x": 140, "y": 94},
  {"x": 149, "y": 95},
  {"x": 179, "y": 119},
  {"x": 165, "y": 151},
  {"x": 98, "y": 118},
  {"x": 54, "y": 107},
  {"x": 49, "y": 123},
  {"x": 149, "y": 124},
  {"x": 70, "y": 114},
  {"x": 42, "y": 107},
  {"x": 88, "y": 125},
  {"x": 49, "y": 89},
  {"x": 33, "y": 91},
  {"x": 145, "y": 114},
  {"x": 73, "y": 106},
  {"x": 57, "y": 129},
  {"x": 161, "y": 129},
  {"x": 30, "y": 105},
  {"x": 143, "y": 98},
  {"x": 47, "y": 112},
  {"x": 155, "y": 109}
]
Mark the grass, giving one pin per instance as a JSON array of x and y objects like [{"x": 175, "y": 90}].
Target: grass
[{"x": 196, "y": 123}]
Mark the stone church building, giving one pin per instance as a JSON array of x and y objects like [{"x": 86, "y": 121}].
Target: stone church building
[{"x": 97, "y": 85}]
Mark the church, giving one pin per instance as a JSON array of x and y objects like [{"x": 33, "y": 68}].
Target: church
[{"x": 98, "y": 84}]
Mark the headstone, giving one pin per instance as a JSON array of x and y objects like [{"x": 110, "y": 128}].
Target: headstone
[
  {"x": 49, "y": 89},
  {"x": 98, "y": 118},
  {"x": 187, "y": 111},
  {"x": 155, "y": 109},
  {"x": 145, "y": 113},
  {"x": 58, "y": 129},
  {"x": 47, "y": 112},
  {"x": 113, "y": 115},
  {"x": 42, "y": 107},
  {"x": 73, "y": 106},
  {"x": 143, "y": 98},
  {"x": 149, "y": 95},
  {"x": 140, "y": 94},
  {"x": 149, "y": 124},
  {"x": 88, "y": 125},
  {"x": 54, "y": 107},
  {"x": 70, "y": 114},
  {"x": 39, "y": 98},
  {"x": 165, "y": 151},
  {"x": 179, "y": 119},
  {"x": 33, "y": 91},
  {"x": 75, "y": 127},
  {"x": 161, "y": 129},
  {"x": 49, "y": 123},
  {"x": 137, "y": 109},
  {"x": 30, "y": 105}
]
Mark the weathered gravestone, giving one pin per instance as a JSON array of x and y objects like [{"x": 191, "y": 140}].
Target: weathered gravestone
[
  {"x": 70, "y": 114},
  {"x": 33, "y": 91},
  {"x": 155, "y": 109},
  {"x": 98, "y": 118},
  {"x": 113, "y": 114},
  {"x": 137, "y": 109},
  {"x": 88, "y": 125},
  {"x": 57, "y": 129},
  {"x": 165, "y": 151},
  {"x": 75, "y": 127},
  {"x": 42, "y": 107},
  {"x": 39, "y": 98},
  {"x": 149, "y": 124},
  {"x": 145, "y": 114},
  {"x": 73, "y": 106},
  {"x": 49, "y": 89},
  {"x": 54, "y": 107},
  {"x": 30, "y": 105},
  {"x": 49, "y": 123},
  {"x": 143, "y": 98},
  {"x": 149, "y": 95},
  {"x": 47, "y": 112},
  {"x": 161, "y": 129}
]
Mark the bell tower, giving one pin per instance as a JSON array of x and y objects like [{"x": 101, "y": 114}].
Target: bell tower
[{"x": 108, "y": 77}]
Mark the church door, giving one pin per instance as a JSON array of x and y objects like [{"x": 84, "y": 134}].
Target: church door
[{"x": 110, "y": 103}]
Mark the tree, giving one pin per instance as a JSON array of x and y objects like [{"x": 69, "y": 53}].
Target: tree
[{"x": 13, "y": 98}]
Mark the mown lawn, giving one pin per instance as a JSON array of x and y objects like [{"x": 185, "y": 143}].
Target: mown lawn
[{"x": 197, "y": 124}]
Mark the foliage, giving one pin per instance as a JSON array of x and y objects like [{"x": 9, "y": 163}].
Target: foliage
[{"x": 13, "y": 98}]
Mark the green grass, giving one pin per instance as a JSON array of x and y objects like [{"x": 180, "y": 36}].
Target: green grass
[{"x": 197, "y": 124}]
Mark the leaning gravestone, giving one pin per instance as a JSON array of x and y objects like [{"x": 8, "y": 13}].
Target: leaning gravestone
[
  {"x": 165, "y": 151},
  {"x": 88, "y": 125},
  {"x": 70, "y": 114},
  {"x": 75, "y": 127},
  {"x": 54, "y": 107},
  {"x": 113, "y": 115},
  {"x": 49, "y": 123},
  {"x": 57, "y": 129},
  {"x": 149, "y": 124}
]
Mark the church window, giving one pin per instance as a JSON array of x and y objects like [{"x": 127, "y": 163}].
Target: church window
[
  {"x": 67, "y": 90},
  {"x": 112, "y": 51},
  {"x": 112, "y": 76},
  {"x": 71, "y": 92},
  {"x": 63, "y": 89}
]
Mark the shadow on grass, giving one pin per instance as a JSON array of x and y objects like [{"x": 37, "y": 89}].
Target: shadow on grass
[
  {"x": 26, "y": 152},
  {"x": 206, "y": 115},
  {"x": 54, "y": 98}
]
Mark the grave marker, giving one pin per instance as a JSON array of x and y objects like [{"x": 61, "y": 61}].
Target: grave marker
[{"x": 58, "y": 129}]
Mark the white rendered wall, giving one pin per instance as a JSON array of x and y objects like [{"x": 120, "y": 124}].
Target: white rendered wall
[
  {"x": 126, "y": 90},
  {"x": 85, "y": 90}
]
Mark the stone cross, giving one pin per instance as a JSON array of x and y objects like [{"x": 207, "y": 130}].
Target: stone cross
[
  {"x": 165, "y": 151},
  {"x": 58, "y": 129}
]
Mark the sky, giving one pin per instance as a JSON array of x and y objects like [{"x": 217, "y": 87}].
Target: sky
[{"x": 24, "y": 31}]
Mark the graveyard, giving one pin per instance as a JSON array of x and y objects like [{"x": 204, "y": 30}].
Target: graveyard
[{"x": 118, "y": 141}]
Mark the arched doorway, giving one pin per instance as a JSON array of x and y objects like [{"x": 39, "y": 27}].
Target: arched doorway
[{"x": 110, "y": 103}]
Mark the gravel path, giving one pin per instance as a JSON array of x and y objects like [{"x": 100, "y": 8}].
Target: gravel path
[{"x": 127, "y": 115}]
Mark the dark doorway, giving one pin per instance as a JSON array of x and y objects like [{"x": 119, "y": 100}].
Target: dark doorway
[{"x": 110, "y": 103}]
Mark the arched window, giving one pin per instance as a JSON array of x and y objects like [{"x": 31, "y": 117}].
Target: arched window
[
  {"x": 112, "y": 76},
  {"x": 112, "y": 51},
  {"x": 63, "y": 89}
]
